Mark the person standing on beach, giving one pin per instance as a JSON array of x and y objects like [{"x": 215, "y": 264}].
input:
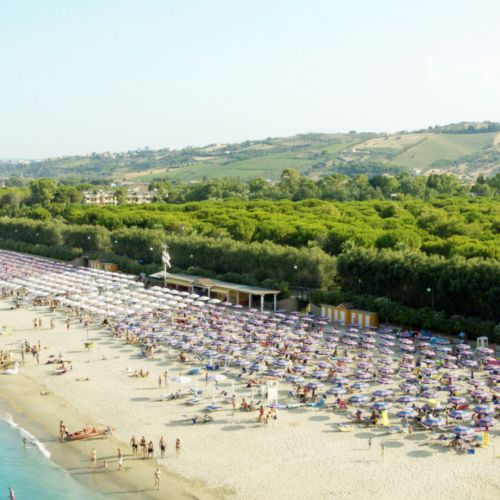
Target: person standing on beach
[
  {"x": 133, "y": 443},
  {"x": 62, "y": 430},
  {"x": 35, "y": 324},
  {"x": 39, "y": 322},
  {"x": 177, "y": 446},
  {"x": 163, "y": 446},
  {"x": 120, "y": 459},
  {"x": 52, "y": 325},
  {"x": 157, "y": 478},
  {"x": 150, "y": 449},
  {"x": 93, "y": 458},
  {"x": 165, "y": 378},
  {"x": 159, "y": 381},
  {"x": 144, "y": 447},
  {"x": 261, "y": 414}
]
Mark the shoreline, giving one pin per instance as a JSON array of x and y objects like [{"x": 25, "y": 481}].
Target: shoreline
[
  {"x": 302, "y": 453},
  {"x": 39, "y": 415}
]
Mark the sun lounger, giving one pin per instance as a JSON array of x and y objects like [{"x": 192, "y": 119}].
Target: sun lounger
[{"x": 291, "y": 406}]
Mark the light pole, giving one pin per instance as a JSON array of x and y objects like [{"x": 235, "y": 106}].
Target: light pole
[
  {"x": 431, "y": 291},
  {"x": 296, "y": 267}
]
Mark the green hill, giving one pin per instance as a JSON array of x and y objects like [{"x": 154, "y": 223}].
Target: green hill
[{"x": 465, "y": 149}]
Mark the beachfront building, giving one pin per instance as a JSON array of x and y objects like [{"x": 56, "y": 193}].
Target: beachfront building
[
  {"x": 133, "y": 197},
  {"x": 243, "y": 295},
  {"x": 346, "y": 314},
  {"x": 99, "y": 198}
]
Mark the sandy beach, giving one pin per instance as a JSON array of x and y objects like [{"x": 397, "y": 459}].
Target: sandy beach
[{"x": 300, "y": 455}]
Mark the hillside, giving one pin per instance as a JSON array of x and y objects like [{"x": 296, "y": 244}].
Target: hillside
[{"x": 465, "y": 149}]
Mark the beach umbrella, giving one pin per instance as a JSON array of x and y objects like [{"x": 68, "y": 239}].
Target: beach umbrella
[
  {"x": 433, "y": 422},
  {"x": 430, "y": 394},
  {"x": 460, "y": 415},
  {"x": 180, "y": 379},
  {"x": 359, "y": 386},
  {"x": 382, "y": 393},
  {"x": 295, "y": 379},
  {"x": 359, "y": 398},
  {"x": 405, "y": 399},
  {"x": 336, "y": 391},
  {"x": 456, "y": 400},
  {"x": 339, "y": 380},
  {"x": 314, "y": 385},
  {"x": 381, "y": 405},
  {"x": 385, "y": 381},
  {"x": 217, "y": 377},
  {"x": 462, "y": 430},
  {"x": 484, "y": 409},
  {"x": 486, "y": 421},
  {"x": 407, "y": 413},
  {"x": 470, "y": 363}
]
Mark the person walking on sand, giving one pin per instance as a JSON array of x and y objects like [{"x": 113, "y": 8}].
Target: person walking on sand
[
  {"x": 261, "y": 414},
  {"x": 159, "y": 381},
  {"x": 177, "y": 447},
  {"x": 68, "y": 324},
  {"x": 150, "y": 449},
  {"x": 120, "y": 459},
  {"x": 39, "y": 322},
  {"x": 165, "y": 378},
  {"x": 93, "y": 458},
  {"x": 133, "y": 443},
  {"x": 157, "y": 477},
  {"x": 52, "y": 324},
  {"x": 35, "y": 324},
  {"x": 163, "y": 446},
  {"x": 144, "y": 447}
]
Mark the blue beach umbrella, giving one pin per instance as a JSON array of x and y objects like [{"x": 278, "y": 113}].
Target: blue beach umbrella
[
  {"x": 407, "y": 413},
  {"x": 358, "y": 398},
  {"x": 381, "y": 405}
]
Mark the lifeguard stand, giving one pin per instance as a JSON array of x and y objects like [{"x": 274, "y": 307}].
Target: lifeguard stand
[
  {"x": 272, "y": 391},
  {"x": 482, "y": 342}
]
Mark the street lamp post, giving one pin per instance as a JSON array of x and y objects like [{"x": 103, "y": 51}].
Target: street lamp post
[
  {"x": 296, "y": 267},
  {"x": 431, "y": 291}
]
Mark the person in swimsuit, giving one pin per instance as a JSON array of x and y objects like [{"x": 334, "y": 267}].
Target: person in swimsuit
[
  {"x": 143, "y": 445},
  {"x": 93, "y": 458},
  {"x": 177, "y": 446},
  {"x": 163, "y": 446},
  {"x": 120, "y": 459},
  {"x": 150, "y": 449},
  {"x": 133, "y": 443},
  {"x": 157, "y": 478}
]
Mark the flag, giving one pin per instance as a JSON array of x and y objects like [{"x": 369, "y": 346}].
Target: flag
[{"x": 165, "y": 258}]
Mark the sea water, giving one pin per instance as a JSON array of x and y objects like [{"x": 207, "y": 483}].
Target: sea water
[{"x": 26, "y": 466}]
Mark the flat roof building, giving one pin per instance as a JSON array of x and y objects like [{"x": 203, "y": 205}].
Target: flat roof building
[{"x": 235, "y": 293}]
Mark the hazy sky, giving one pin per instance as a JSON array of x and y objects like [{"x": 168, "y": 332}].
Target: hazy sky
[{"x": 110, "y": 75}]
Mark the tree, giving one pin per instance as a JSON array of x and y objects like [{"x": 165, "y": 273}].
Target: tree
[{"x": 42, "y": 191}]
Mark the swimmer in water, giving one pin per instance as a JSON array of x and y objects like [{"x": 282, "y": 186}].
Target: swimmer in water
[{"x": 12, "y": 495}]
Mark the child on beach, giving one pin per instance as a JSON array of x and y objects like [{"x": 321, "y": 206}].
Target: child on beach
[{"x": 157, "y": 478}]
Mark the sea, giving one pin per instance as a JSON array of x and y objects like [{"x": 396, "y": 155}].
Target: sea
[{"x": 25, "y": 465}]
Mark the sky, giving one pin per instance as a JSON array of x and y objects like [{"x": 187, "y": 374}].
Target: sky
[{"x": 86, "y": 76}]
